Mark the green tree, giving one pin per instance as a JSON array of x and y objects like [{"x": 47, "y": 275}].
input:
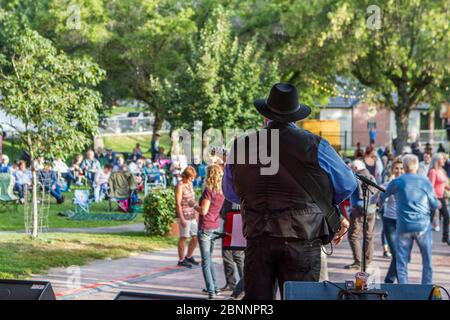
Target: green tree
[
  {"x": 136, "y": 41},
  {"x": 399, "y": 50},
  {"x": 53, "y": 95},
  {"x": 223, "y": 78}
]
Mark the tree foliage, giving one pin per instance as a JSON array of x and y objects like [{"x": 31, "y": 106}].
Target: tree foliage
[
  {"x": 398, "y": 49},
  {"x": 163, "y": 51},
  {"x": 52, "y": 94},
  {"x": 223, "y": 78}
]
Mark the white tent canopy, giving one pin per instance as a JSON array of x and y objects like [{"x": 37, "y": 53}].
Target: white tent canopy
[{"x": 10, "y": 124}]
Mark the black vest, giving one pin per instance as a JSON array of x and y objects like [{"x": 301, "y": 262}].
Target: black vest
[{"x": 277, "y": 205}]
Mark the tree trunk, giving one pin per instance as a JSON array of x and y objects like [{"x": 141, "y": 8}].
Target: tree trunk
[
  {"x": 157, "y": 124},
  {"x": 402, "y": 121},
  {"x": 34, "y": 232}
]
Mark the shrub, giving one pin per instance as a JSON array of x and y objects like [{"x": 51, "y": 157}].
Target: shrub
[{"x": 159, "y": 211}]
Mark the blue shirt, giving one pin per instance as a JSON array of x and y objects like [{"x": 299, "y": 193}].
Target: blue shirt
[
  {"x": 91, "y": 165},
  {"x": 48, "y": 178},
  {"x": 415, "y": 200},
  {"x": 372, "y": 134},
  {"x": 22, "y": 177},
  {"x": 355, "y": 200},
  {"x": 5, "y": 168},
  {"x": 341, "y": 176}
]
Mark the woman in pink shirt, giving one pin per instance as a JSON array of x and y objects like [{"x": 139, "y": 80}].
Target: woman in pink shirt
[
  {"x": 209, "y": 209},
  {"x": 438, "y": 179}
]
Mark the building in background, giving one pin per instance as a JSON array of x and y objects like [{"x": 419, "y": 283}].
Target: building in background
[{"x": 356, "y": 118}]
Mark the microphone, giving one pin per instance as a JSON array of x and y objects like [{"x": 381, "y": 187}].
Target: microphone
[{"x": 369, "y": 182}]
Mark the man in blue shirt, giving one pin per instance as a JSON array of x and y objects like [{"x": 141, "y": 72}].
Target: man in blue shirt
[
  {"x": 23, "y": 180},
  {"x": 47, "y": 177},
  {"x": 282, "y": 223},
  {"x": 372, "y": 135},
  {"x": 154, "y": 146},
  {"x": 415, "y": 200},
  {"x": 5, "y": 166},
  {"x": 340, "y": 175}
]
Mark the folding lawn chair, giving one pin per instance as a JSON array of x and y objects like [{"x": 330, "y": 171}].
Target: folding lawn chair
[
  {"x": 81, "y": 201},
  {"x": 155, "y": 179},
  {"x": 7, "y": 195}
]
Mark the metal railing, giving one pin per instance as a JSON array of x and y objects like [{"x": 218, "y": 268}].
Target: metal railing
[
  {"x": 433, "y": 136},
  {"x": 138, "y": 125}
]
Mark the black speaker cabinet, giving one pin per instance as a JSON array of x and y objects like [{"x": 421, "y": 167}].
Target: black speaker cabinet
[
  {"x": 26, "y": 290},
  {"x": 125, "y": 295},
  {"x": 297, "y": 290}
]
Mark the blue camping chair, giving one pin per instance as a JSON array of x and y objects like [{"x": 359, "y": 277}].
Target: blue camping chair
[{"x": 81, "y": 201}]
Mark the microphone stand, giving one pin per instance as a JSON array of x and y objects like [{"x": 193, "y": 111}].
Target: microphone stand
[{"x": 365, "y": 184}]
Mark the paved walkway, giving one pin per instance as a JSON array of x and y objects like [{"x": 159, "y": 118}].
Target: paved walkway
[
  {"x": 157, "y": 272},
  {"x": 135, "y": 227}
]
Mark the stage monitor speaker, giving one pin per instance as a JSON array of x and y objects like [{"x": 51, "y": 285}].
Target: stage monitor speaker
[
  {"x": 298, "y": 290},
  {"x": 26, "y": 290},
  {"x": 126, "y": 295}
]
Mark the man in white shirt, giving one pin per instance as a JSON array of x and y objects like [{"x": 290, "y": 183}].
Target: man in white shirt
[
  {"x": 101, "y": 182},
  {"x": 424, "y": 165},
  {"x": 63, "y": 171}
]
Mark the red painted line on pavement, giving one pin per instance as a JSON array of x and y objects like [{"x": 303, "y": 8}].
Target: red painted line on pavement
[{"x": 111, "y": 282}]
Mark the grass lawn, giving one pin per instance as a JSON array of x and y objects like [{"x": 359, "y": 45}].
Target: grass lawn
[
  {"x": 12, "y": 217},
  {"x": 126, "y": 143},
  {"x": 21, "y": 257}
]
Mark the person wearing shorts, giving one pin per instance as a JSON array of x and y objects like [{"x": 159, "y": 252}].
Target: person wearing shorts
[{"x": 186, "y": 217}]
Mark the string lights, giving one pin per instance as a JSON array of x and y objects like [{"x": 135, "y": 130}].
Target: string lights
[{"x": 335, "y": 92}]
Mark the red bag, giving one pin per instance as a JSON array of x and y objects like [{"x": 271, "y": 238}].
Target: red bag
[{"x": 234, "y": 235}]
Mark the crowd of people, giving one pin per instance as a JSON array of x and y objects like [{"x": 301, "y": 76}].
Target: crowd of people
[
  {"x": 201, "y": 221},
  {"x": 93, "y": 169},
  {"x": 413, "y": 206},
  {"x": 284, "y": 223}
]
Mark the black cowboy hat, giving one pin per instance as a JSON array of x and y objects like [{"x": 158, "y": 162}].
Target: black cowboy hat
[{"x": 282, "y": 104}]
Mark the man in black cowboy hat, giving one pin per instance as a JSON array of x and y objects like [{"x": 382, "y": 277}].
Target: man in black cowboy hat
[{"x": 284, "y": 218}]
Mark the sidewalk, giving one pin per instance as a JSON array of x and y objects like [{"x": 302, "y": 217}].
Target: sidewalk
[
  {"x": 156, "y": 272},
  {"x": 135, "y": 227}
]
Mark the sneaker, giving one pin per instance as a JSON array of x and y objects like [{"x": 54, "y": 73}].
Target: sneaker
[
  {"x": 212, "y": 297},
  {"x": 184, "y": 263},
  {"x": 218, "y": 293},
  {"x": 437, "y": 229},
  {"x": 387, "y": 255},
  {"x": 227, "y": 288},
  {"x": 191, "y": 260},
  {"x": 353, "y": 266}
]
